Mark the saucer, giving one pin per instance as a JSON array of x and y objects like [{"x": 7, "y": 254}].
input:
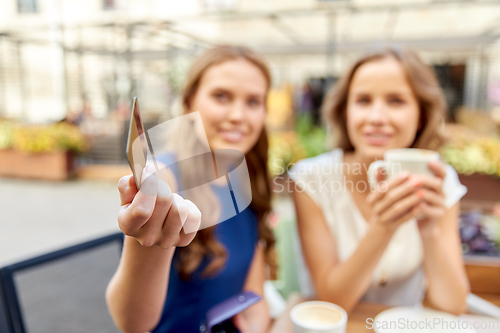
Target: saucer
[{"x": 417, "y": 320}]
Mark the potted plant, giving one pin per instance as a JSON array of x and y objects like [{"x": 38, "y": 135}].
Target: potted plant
[
  {"x": 39, "y": 151},
  {"x": 477, "y": 161}
]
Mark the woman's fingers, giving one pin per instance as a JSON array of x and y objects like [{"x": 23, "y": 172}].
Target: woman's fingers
[
  {"x": 154, "y": 215},
  {"x": 191, "y": 226},
  {"x": 185, "y": 228},
  {"x": 400, "y": 208},
  {"x": 414, "y": 212},
  {"x": 380, "y": 176},
  {"x": 133, "y": 216},
  {"x": 396, "y": 194},
  {"x": 432, "y": 183},
  {"x": 383, "y": 187},
  {"x": 193, "y": 220},
  {"x": 432, "y": 198},
  {"x": 404, "y": 197},
  {"x": 423, "y": 202},
  {"x": 178, "y": 216},
  {"x": 174, "y": 221},
  {"x": 182, "y": 208},
  {"x": 431, "y": 212},
  {"x": 432, "y": 205},
  {"x": 240, "y": 323},
  {"x": 437, "y": 168},
  {"x": 151, "y": 232},
  {"x": 127, "y": 189}
]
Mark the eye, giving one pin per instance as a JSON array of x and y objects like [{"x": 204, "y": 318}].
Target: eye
[
  {"x": 254, "y": 102},
  {"x": 363, "y": 100},
  {"x": 396, "y": 101},
  {"x": 221, "y": 97}
]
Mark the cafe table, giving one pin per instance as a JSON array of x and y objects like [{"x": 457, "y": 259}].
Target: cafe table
[{"x": 356, "y": 322}]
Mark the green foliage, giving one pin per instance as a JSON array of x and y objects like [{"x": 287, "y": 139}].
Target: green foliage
[
  {"x": 474, "y": 155},
  {"x": 312, "y": 138},
  {"x": 289, "y": 147},
  {"x": 6, "y": 133},
  {"x": 41, "y": 138},
  {"x": 491, "y": 225},
  {"x": 177, "y": 73}
]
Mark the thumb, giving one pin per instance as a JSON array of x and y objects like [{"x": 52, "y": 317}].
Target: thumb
[
  {"x": 240, "y": 323},
  {"x": 127, "y": 189}
]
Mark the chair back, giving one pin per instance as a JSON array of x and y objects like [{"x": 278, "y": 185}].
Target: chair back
[{"x": 62, "y": 291}]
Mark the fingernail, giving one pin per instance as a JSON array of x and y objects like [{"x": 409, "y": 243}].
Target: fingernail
[
  {"x": 164, "y": 189},
  {"x": 182, "y": 207},
  {"x": 382, "y": 186},
  {"x": 149, "y": 185},
  {"x": 405, "y": 174},
  {"x": 146, "y": 172},
  {"x": 421, "y": 193},
  {"x": 150, "y": 169}
]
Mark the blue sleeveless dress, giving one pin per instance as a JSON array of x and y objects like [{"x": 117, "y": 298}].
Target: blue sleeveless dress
[{"x": 189, "y": 300}]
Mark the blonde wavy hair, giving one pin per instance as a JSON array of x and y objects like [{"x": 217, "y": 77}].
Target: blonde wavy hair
[{"x": 424, "y": 84}]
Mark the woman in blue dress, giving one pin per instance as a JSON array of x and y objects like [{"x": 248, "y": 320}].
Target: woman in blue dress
[{"x": 170, "y": 273}]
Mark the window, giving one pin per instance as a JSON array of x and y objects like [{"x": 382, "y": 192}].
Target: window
[{"x": 26, "y": 6}]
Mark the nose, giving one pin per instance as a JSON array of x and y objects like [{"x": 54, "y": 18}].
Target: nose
[
  {"x": 378, "y": 113},
  {"x": 236, "y": 112}
]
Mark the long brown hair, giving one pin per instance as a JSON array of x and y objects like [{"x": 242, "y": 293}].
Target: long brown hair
[
  {"x": 205, "y": 243},
  {"x": 424, "y": 84}
]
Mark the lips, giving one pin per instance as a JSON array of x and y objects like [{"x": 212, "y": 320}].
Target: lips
[
  {"x": 377, "y": 138},
  {"x": 233, "y": 136}
]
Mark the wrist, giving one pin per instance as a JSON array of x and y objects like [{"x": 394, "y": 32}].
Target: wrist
[
  {"x": 430, "y": 233},
  {"x": 381, "y": 230},
  {"x": 152, "y": 250}
]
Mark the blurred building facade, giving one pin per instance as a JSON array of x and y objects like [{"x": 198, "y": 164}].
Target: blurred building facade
[{"x": 60, "y": 56}]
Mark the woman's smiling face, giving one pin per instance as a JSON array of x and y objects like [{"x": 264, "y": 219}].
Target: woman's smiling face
[
  {"x": 231, "y": 99},
  {"x": 382, "y": 110}
]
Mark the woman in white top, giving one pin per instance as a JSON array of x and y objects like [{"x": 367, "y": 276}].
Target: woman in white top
[{"x": 362, "y": 244}]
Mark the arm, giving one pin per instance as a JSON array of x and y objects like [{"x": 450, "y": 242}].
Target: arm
[
  {"x": 256, "y": 318},
  {"x": 153, "y": 220},
  {"x": 344, "y": 283},
  {"x": 443, "y": 263},
  {"x": 139, "y": 286}
]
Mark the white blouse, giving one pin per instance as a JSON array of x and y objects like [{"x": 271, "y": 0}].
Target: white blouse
[{"x": 401, "y": 265}]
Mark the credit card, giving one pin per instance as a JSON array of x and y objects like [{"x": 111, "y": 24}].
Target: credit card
[{"x": 137, "y": 146}]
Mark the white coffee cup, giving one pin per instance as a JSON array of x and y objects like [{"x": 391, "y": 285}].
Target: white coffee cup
[
  {"x": 318, "y": 317},
  {"x": 415, "y": 161}
]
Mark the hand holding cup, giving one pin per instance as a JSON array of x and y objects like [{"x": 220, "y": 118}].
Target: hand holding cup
[{"x": 412, "y": 188}]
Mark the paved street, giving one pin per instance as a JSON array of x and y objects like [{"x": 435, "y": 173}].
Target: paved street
[{"x": 38, "y": 216}]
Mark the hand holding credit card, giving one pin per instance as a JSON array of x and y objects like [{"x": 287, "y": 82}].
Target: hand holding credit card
[{"x": 150, "y": 212}]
